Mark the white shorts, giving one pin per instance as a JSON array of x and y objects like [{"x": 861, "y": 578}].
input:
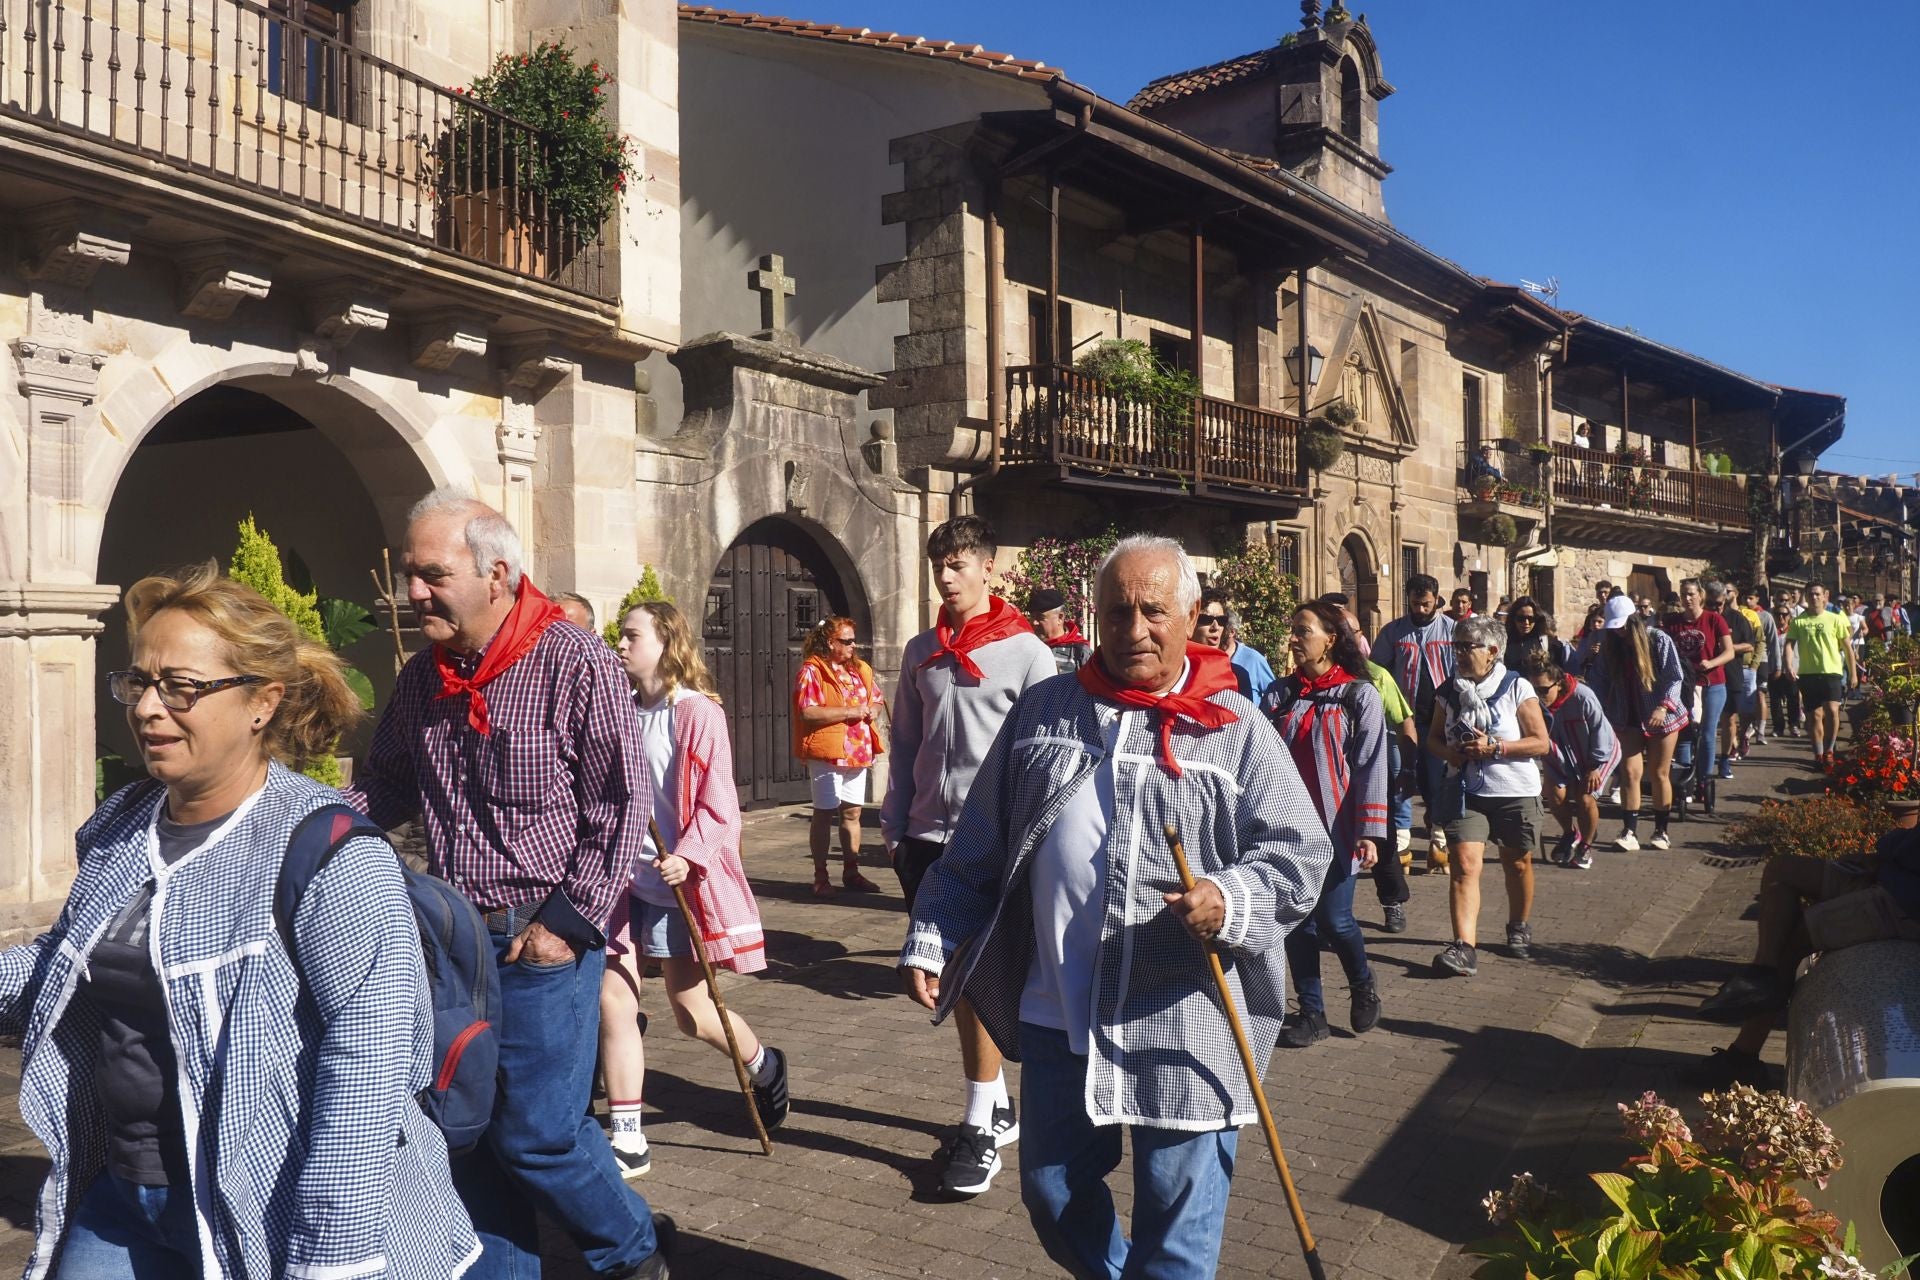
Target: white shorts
[{"x": 834, "y": 787}]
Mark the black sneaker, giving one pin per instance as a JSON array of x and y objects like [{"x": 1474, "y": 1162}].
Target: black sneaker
[
  {"x": 633, "y": 1163},
  {"x": 1724, "y": 1068},
  {"x": 1754, "y": 991},
  {"x": 1582, "y": 857},
  {"x": 1365, "y": 1013},
  {"x": 771, "y": 1098},
  {"x": 1520, "y": 940},
  {"x": 1396, "y": 918},
  {"x": 972, "y": 1162},
  {"x": 1006, "y": 1125},
  {"x": 654, "y": 1265},
  {"x": 1458, "y": 959},
  {"x": 1302, "y": 1029},
  {"x": 1563, "y": 850}
]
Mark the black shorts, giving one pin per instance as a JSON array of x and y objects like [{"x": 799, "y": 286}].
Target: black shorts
[
  {"x": 911, "y": 858},
  {"x": 1815, "y": 690}
]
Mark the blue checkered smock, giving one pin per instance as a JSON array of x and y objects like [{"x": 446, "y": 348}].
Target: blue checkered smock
[
  {"x": 309, "y": 1158},
  {"x": 1161, "y": 1052}
]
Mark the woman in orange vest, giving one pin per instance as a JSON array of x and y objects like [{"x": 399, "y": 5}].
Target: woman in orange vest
[{"x": 835, "y": 704}]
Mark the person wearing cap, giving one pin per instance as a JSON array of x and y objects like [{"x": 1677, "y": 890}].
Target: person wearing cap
[
  {"x": 1637, "y": 675},
  {"x": 1048, "y": 609}
]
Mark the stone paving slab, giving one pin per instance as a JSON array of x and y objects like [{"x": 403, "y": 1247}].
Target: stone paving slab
[{"x": 1392, "y": 1136}]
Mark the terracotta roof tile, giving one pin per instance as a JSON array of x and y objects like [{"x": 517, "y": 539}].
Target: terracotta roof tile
[
  {"x": 1182, "y": 84},
  {"x": 972, "y": 55}
]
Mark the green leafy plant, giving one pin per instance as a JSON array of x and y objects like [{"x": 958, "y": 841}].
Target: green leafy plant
[
  {"x": 256, "y": 562},
  {"x": 1127, "y": 369},
  {"x": 1824, "y": 826},
  {"x": 645, "y": 591},
  {"x": 573, "y": 165},
  {"x": 1499, "y": 530},
  {"x": 1263, "y": 597},
  {"x": 1067, "y": 565},
  {"x": 1718, "y": 1207}
]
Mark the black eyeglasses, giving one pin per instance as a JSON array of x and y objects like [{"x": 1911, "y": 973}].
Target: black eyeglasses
[
  {"x": 843, "y": 639},
  {"x": 177, "y": 693},
  {"x": 1213, "y": 620}
]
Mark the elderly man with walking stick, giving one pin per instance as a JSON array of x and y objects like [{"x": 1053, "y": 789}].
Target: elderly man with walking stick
[{"x": 1059, "y": 912}]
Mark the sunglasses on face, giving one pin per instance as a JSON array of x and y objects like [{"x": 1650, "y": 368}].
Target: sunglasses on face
[{"x": 1212, "y": 620}]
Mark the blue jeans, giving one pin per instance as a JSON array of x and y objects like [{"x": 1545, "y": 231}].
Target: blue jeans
[
  {"x": 124, "y": 1231},
  {"x": 1332, "y": 922},
  {"x": 1713, "y": 700},
  {"x": 543, "y": 1150},
  {"x": 1180, "y": 1180}
]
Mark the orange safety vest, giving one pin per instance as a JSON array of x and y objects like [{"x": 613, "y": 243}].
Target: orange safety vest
[{"x": 829, "y": 741}]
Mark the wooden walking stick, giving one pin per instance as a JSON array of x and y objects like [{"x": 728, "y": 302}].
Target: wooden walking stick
[
  {"x": 1308, "y": 1249},
  {"x": 719, "y": 1003}
]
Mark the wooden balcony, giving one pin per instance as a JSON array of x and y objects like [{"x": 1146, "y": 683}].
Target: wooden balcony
[
  {"x": 1208, "y": 448},
  {"x": 1607, "y": 493}
]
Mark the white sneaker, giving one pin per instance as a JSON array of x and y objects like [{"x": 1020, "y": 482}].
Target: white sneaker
[
  {"x": 1402, "y": 839},
  {"x": 632, "y": 1156},
  {"x": 1627, "y": 841},
  {"x": 1613, "y": 796},
  {"x": 1660, "y": 840}
]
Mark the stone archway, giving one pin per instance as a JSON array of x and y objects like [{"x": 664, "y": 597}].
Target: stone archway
[
  {"x": 770, "y": 587},
  {"x": 1359, "y": 578},
  {"x": 330, "y": 484}
]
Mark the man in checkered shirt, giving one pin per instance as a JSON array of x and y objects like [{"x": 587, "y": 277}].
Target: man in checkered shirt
[
  {"x": 1057, "y": 910},
  {"x": 513, "y": 739}
]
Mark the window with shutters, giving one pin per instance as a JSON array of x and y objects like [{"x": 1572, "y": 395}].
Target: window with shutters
[{"x": 309, "y": 54}]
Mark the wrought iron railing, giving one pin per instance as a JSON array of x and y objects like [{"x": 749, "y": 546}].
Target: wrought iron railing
[
  {"x": 231, "y": 90},
  {"x": 1059, "y": 415},
  {"x": 1513, "y": 475},
  {"x": 1600, "y": 479}
]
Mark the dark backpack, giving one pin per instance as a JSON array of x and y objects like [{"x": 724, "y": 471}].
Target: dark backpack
[{"x": 462, "y": 981}]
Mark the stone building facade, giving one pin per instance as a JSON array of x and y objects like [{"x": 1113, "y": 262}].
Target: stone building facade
[{"x": 231, "y": 283}]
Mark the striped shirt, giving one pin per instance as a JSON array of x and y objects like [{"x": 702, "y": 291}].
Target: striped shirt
[{"x": 549, "y": 808}]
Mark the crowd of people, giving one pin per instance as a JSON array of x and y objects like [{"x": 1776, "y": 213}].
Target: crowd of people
[{"x": 232, "y": 1077}]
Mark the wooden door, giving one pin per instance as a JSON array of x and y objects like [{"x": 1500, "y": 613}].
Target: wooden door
[{"x": 769, "y": 590}]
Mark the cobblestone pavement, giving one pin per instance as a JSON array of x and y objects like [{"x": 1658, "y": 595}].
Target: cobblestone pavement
[{"x": 1392, "y": 1136}]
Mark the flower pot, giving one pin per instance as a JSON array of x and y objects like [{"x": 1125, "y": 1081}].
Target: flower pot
[
  {"x": 1905, "y": 813},
  {"x": 1321, "y": 447},
  {"x": 493, "y": 226}
]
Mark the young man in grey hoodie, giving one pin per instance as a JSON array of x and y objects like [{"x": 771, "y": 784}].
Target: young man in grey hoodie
[{"x": 958, "y": 681}]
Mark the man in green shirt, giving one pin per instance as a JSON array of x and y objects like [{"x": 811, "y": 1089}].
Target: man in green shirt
[
  {"x": 1403, "y": 752},
  {"x": 1820, "y": 641}
]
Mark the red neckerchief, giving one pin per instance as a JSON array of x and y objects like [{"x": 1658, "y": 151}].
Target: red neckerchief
[
  {"x": 997, "y": 623},
  {"x": 1565, "y": 693},
  {"x": 1331, "y": 678},
  {"x": 1210, "y": 672},
  {"x": 1070, "y": 637},
  {"x": 527, "y": 621}
]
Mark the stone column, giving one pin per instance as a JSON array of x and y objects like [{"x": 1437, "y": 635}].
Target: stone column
[{"x": 46, "y": 758}]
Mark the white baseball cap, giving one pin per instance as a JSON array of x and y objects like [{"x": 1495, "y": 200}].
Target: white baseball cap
[{"x": 1619, "y": 609}]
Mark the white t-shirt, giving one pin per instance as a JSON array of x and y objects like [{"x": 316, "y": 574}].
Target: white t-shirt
[
  {"x": 656, "y": 742},
  {"x": 1505, "y": 777}
]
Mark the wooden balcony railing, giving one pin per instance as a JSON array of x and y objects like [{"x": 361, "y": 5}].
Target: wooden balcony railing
[
  {"x": 1597, "y": 479},
  {"x": 231, "y": 90},
  {"x": 1058, "y": 415}
]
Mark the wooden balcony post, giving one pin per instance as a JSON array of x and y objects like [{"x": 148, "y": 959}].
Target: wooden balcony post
[
  {"x": 1199, "y": 263},
  {"x": 1693, "y": 450}
]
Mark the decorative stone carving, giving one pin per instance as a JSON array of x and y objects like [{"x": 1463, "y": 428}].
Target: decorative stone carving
[
  {"x": 57, "y": 371},
  {"x": 54, "y": 608},
  {"x": 533, "y": 369},
  {"x": 68, "y": 242},
  {"x": 214, "y": 280},
  {"x": 799, "y": 485},
  {"x": 341, "y": 315},
  {"x": 57, "y": 314},
  {"x": 774, "y": 286},
  {"x": 518, "y": 436},
  {"x": 441, "y": 339},
  {"x": 313, "y": 358}
]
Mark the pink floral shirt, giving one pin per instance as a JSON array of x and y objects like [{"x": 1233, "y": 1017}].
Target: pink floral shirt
[{"x": 854, "y": 692}]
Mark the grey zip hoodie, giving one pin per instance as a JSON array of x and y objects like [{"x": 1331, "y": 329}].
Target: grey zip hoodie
[{"x": 943, "y": 722}]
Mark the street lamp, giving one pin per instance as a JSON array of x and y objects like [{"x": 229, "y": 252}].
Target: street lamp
[{"x": 1315, "y": 362}]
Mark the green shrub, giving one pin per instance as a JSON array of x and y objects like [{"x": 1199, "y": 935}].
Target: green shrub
[
  {"x": 1065, "y": 564},
  {"x": 1263, "y": 597},
  {"x": 645, "y": 591}
]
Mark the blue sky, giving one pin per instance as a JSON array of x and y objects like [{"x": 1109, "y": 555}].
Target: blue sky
[{"x": 1739, "y": 178}]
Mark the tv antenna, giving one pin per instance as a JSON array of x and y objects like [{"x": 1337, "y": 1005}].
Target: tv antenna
[{"x": 1548, "y": 288}]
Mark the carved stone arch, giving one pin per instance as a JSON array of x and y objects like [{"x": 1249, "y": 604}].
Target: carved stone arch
[
  {"x": 1358, "y": 43},
  {"x": 1357, "y": 568}
]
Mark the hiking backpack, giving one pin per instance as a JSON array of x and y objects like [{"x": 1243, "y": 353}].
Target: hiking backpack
[{"x": 462, "y": 981}]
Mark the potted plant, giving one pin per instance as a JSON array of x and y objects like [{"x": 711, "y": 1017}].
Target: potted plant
[
  {"x": 1483, "y": 487},
  {"x": 1541, "y": 452},
  {"x": 1325, "y": 438},
  {"x": 529, "y": 169},
  {"x": 1499, "y": 530},
  {"x": 1510, "y": 492}
]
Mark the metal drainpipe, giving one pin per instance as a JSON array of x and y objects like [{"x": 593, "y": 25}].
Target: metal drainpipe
[{"x": 996, "y": 359}]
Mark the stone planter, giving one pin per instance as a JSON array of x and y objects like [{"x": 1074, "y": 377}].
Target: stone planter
[{"x": 1905, "y": 813}]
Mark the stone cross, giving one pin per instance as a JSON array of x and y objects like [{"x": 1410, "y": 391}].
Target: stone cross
[{"x": 774, "y": 286}]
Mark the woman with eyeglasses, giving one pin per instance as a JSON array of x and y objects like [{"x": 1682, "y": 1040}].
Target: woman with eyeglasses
[
  {"x": 1530, "y": 630},
  {"x": 217, "y": 1098},
  {"x": 836, "y": 730},
  {"x": 1637, "y": 675},
  {"x": 1581, "y": 762}
]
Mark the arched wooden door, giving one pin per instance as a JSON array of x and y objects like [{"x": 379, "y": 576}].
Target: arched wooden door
[
  {"x": 771, "y": 587},
  {"x": 1361, "y": 582}
]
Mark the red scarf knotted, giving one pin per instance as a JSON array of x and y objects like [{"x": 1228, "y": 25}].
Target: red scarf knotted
[
  {"x": 1211, "y": 672},
  {"x": 1566, "y": 691},
  {"x": 997, "y": 623},
  {"x": 531, "y": 615},
  {"x": 1331, "y": 678},
  {"x": 1071, "y": 636}
]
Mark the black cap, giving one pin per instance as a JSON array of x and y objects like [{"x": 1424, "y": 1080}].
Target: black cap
[{"x": 1045, "y": 600}]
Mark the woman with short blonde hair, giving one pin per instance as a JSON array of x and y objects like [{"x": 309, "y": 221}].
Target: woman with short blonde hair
[{"x": 180, "y": 1053}]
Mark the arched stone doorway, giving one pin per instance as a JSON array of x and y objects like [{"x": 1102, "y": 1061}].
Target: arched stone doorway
[
  {"x": 1359, "y": 578},
  {"x": 330, "y": 485},
  {"x": 771, "y": 586}
]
